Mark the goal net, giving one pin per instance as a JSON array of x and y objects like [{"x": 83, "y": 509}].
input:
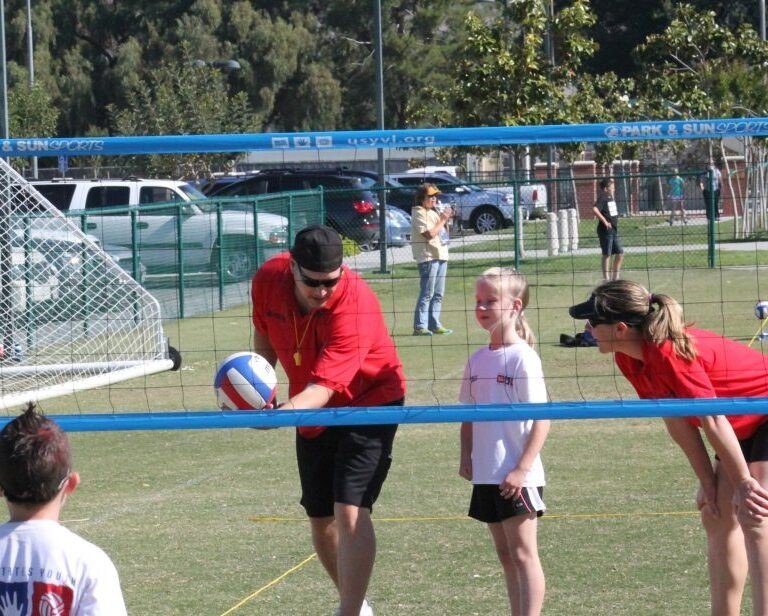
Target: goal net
[{"x": 70, "y": 317}]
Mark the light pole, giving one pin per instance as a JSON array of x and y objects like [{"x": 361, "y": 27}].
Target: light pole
[
  {"x": 378, "y": 46},
  {"x": 31, "y": 68},
  {"x": 551, "y": 58},
  {"x": 30, "y": 46},
  {"x": 3, "y": 77},
  {"x": 762, "y": 20}
]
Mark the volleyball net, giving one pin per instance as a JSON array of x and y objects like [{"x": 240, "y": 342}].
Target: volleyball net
[{"x": 708, "y": 265}]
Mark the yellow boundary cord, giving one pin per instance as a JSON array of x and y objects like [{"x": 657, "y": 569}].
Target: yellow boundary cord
[
  {"x": 757, "y": 333},
  {"x": 462, "y": 518},
  {"x": 272, "y": 583}
]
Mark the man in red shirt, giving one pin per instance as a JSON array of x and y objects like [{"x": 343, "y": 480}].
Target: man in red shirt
[{"x": 325, "y": 326}]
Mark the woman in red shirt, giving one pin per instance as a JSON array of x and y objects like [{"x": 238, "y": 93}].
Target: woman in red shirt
[{"x": 664, "y": 358}]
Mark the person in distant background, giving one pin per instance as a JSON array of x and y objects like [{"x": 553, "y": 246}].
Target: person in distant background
[
  {"x": 44, "y": 567},
  {"x": 711, "y": 197},
  {"x": 676, "y": 198},
  {"x": 429, "y": 242},
  {"x": 607, "y": 214}
]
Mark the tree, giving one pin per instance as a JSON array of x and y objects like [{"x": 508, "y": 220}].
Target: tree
[
  {"x": 502, "y": 74},
  {"x": 699, "y": 68},
  {"x": 178, "y": 100},
  {"x": 92, "y": 56},
  {"x": 625, "y": 24},
  {"x": 30, "y": 114},
  {"x": 305, "y": 65}
]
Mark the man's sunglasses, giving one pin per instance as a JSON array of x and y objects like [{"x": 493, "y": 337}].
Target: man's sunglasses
[{"x": 314, "y": 282}]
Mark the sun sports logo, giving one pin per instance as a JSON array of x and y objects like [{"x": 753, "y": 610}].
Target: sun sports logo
[
  {"x": 23, "y": 146},
  {"x": 717, "y": 128}
]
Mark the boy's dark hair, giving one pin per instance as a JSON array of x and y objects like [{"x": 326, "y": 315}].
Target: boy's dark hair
[
  {"x": 35, "y": 458},
  {"x": 604, "y": 182}
]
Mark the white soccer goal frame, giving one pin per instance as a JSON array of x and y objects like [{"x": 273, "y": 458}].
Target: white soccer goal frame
[{"x": 71, "y": 318}]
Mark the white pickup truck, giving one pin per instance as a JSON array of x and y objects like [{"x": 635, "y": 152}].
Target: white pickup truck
[
  {"x": 531, "y": 197},
  {"x": 162, "y": 233}
]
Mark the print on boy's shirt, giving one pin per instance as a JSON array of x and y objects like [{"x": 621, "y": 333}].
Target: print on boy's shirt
[{"x": 35, "y": 599}]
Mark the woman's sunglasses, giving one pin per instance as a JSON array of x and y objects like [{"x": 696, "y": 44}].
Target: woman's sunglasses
[{"x": 596, "y": 322}]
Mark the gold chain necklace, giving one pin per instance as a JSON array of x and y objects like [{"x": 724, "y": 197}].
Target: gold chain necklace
[{"x": 297, "y": 354}]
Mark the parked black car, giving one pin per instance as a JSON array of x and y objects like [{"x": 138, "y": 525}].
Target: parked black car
[
  {"x": 350, "y": 205},
  {"x": 219, "y": 181},
  {"x": 397, "y": 194}
]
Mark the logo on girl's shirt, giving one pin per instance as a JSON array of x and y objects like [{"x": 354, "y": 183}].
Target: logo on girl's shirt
[{"x": 35, "y": 599}]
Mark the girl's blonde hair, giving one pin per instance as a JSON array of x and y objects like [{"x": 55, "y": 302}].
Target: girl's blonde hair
[
  {"x": 658, "y": 317},
  {"x": 511, "y": 285}
]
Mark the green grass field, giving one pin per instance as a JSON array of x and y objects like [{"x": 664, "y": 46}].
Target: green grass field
[{"x": 207, "y": 522}]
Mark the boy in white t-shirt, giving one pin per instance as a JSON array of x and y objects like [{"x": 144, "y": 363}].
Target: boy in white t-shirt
[
  {"x": 501, "y": 458},
  {"x": 44, "y": 567}
]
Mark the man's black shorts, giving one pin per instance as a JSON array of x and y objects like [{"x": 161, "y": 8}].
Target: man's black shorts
[{"x": 345, "y": 464}]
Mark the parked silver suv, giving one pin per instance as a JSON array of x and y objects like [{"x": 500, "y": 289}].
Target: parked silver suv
[
  {"x": 476, "y": 208},
  {"x": 163, "y": 233}
]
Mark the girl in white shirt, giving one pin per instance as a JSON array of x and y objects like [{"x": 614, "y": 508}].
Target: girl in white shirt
[{"x": 501, "y": 458}]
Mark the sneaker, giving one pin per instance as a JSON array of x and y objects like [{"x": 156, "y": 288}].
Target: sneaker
[
  {"x": 421, "y": 331},
  {"x": 365, "y": 610},
  {"x": 442, "y": 331}
]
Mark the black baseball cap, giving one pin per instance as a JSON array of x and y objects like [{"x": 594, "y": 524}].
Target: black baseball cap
[
  {"x": 318, "y": 248},
  {"x": 593, "y": 310}
]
